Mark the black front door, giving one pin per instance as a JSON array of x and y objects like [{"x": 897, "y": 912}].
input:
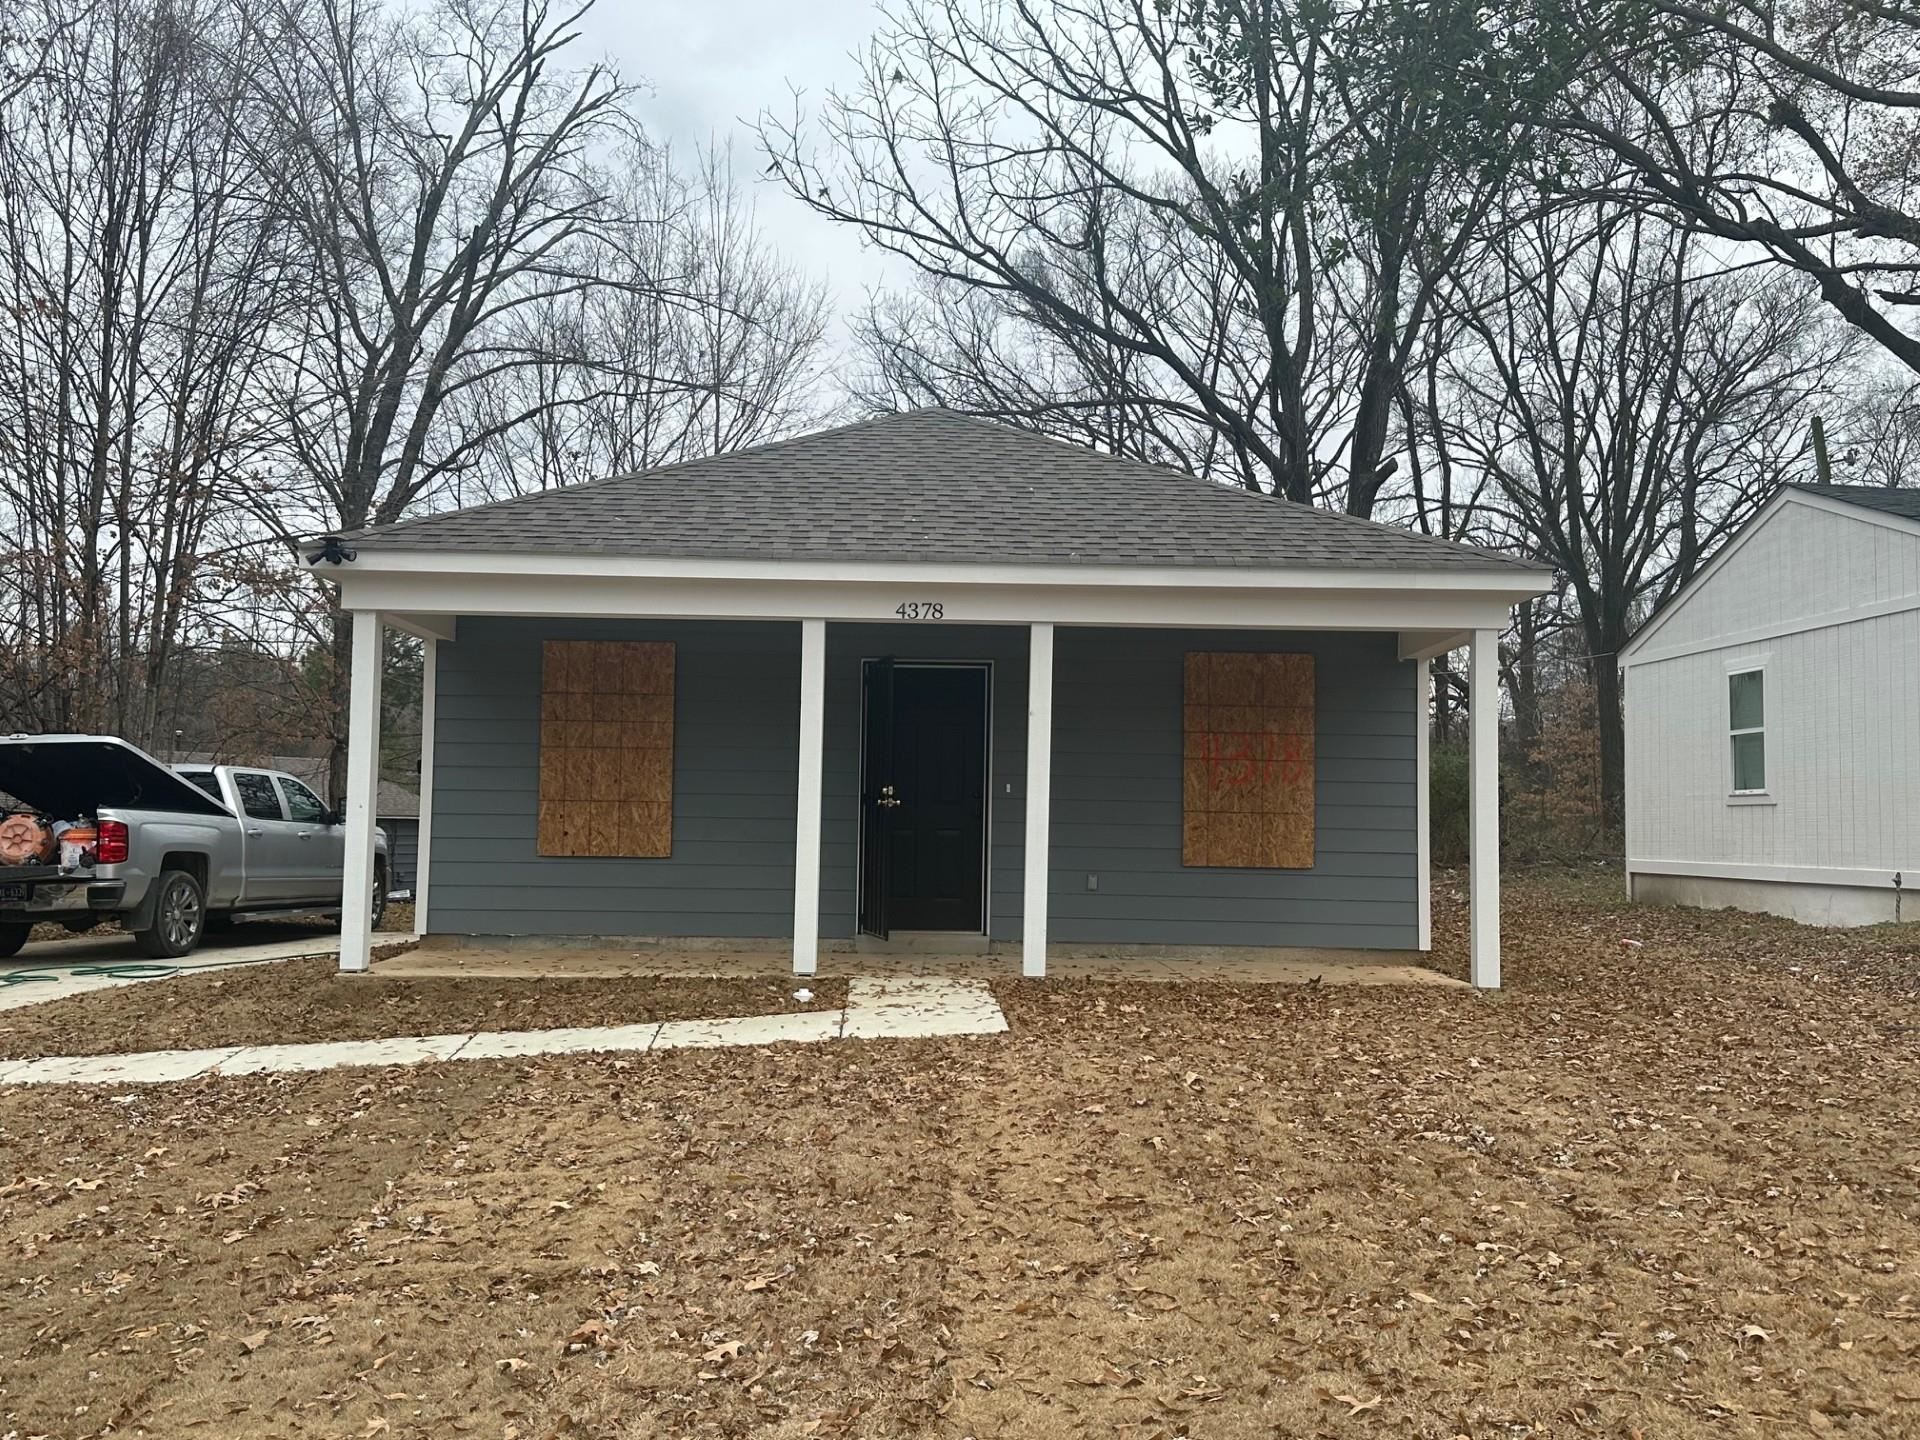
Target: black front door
[{"x": 924, "y": 798}]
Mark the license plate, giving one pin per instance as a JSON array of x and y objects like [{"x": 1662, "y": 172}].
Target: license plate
[{"x": 13, "y": 894}]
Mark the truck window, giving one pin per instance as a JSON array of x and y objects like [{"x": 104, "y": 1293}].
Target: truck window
[
  {"x": 205, "y": 780},
  {"x": 303, "y": 806},
  {"x": 257, "y": 797}
]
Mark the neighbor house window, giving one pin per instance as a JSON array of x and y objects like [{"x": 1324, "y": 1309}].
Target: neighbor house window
[{"x": 1746, "y": 730}]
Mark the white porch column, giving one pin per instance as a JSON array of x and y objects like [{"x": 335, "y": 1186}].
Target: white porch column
[
  {"x": 1423, "y": 801},
  {"x": 1483, "y": 700},
  {"x": 806, "y": 834},
  {"x": 429, "y": 685},
  {"x": 1033, "y": 947},
  {"x": 363, "y": 779}
]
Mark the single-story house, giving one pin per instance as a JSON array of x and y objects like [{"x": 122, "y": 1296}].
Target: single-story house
[
  {"x": 924, "y": 676},
  {"x": 1773, "y": 751}
]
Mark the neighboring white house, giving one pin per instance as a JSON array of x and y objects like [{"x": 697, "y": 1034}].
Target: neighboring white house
[{"x": 1773, "y": 717}]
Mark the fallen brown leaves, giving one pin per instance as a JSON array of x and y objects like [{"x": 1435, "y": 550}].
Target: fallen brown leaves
[{"x": 1664, "y": 1189}]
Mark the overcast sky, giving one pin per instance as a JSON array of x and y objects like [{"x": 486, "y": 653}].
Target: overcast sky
[{"x": 711, "y": 66}]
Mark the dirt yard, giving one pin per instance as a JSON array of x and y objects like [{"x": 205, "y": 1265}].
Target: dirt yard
[{"x": 1664, "y": 1185}]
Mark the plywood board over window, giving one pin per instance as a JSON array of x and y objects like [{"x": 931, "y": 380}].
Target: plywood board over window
[
  {"x": 1248, "y": 761},
  {"x": 606, "y": 748}
]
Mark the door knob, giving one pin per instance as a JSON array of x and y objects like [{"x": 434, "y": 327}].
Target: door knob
[{"x": 888, "y": 800}]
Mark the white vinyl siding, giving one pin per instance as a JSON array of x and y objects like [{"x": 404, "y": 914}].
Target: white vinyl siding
[{"x": 1839, "y": 708}]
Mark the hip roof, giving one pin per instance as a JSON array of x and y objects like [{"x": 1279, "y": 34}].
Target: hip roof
[{"x": 930, "y": 486}]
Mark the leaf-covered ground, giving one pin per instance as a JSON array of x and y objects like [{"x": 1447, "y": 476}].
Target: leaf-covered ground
[{"x": 1664, "y": 1188}]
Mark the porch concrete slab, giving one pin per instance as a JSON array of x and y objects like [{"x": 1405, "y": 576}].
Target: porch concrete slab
[
  {"x": 152, "y": 1067},
  {"x": 337, "y": 1054},
  {"x": 750, "y": 1030},
  {"x": 565, "y": 1040},
  {"x": 917, "y": 1007},
  {"x": 1171, "y": 965}
]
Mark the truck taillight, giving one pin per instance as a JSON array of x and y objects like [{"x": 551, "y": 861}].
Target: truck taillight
[{"x": 112, "y": 846}]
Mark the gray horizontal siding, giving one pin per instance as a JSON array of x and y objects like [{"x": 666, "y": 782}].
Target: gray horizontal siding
[
  {"x": 735, "y": 759},
  {"x": 1116, "y": 802}
]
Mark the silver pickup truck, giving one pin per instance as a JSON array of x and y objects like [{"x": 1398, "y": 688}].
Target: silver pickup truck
[{"x": 101, "y": 830}]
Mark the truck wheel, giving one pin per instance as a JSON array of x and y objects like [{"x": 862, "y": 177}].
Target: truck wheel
[
  {"x": 12, "y": 937},
  {"x": 178, "y": 918},
  {"x": 379, "y": 894}
]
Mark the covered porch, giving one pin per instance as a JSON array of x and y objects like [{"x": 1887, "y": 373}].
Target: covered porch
[
  {"x": 926, "y": 680},
  {"x": 770, "y": 849}
]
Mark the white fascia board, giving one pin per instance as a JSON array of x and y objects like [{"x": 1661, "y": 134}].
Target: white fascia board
[
  {"x": 1785, "y": 874},
  {"x": 1522, "y": 584},
  {"x": 443, "y": 593}
]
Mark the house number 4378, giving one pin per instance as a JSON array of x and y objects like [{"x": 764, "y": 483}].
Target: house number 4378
[{"x": 921, "y": 610}]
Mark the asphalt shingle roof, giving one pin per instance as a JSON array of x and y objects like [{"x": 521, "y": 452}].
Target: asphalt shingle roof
[
  {"x": 1903, "y": 502},
  {"x": 930, "y": 486}
]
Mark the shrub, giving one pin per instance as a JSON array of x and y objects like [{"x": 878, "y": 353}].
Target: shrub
[{"x": 1447, "y": 822}]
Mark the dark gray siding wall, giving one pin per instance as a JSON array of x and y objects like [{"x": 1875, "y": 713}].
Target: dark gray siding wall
[
  {"x": 736, "y": 754},
  {"x": 1116, "y": 798},
  {"x": 1117, "y": 795}
]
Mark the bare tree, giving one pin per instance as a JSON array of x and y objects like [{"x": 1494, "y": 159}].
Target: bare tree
[
  {"x": 1083, "y": 164},
  {"x": 436, "y": 169},
  {"x": 1786, "y": 125},
  {"x": 1635, "y": 402},
  {"x": 698, "y": 338},
  {"x": 1876, "y": 432},
  {"x": 133, "y": 262}
]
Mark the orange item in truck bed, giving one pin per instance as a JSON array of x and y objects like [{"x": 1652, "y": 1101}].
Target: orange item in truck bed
[{"x": 25, "y": 840}]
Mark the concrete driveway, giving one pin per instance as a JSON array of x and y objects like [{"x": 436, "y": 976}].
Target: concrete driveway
[{"x": 56, "y": 969}]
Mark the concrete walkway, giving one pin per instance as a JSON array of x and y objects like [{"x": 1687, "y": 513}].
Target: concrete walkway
[{"x": 904, "y": 1008}]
